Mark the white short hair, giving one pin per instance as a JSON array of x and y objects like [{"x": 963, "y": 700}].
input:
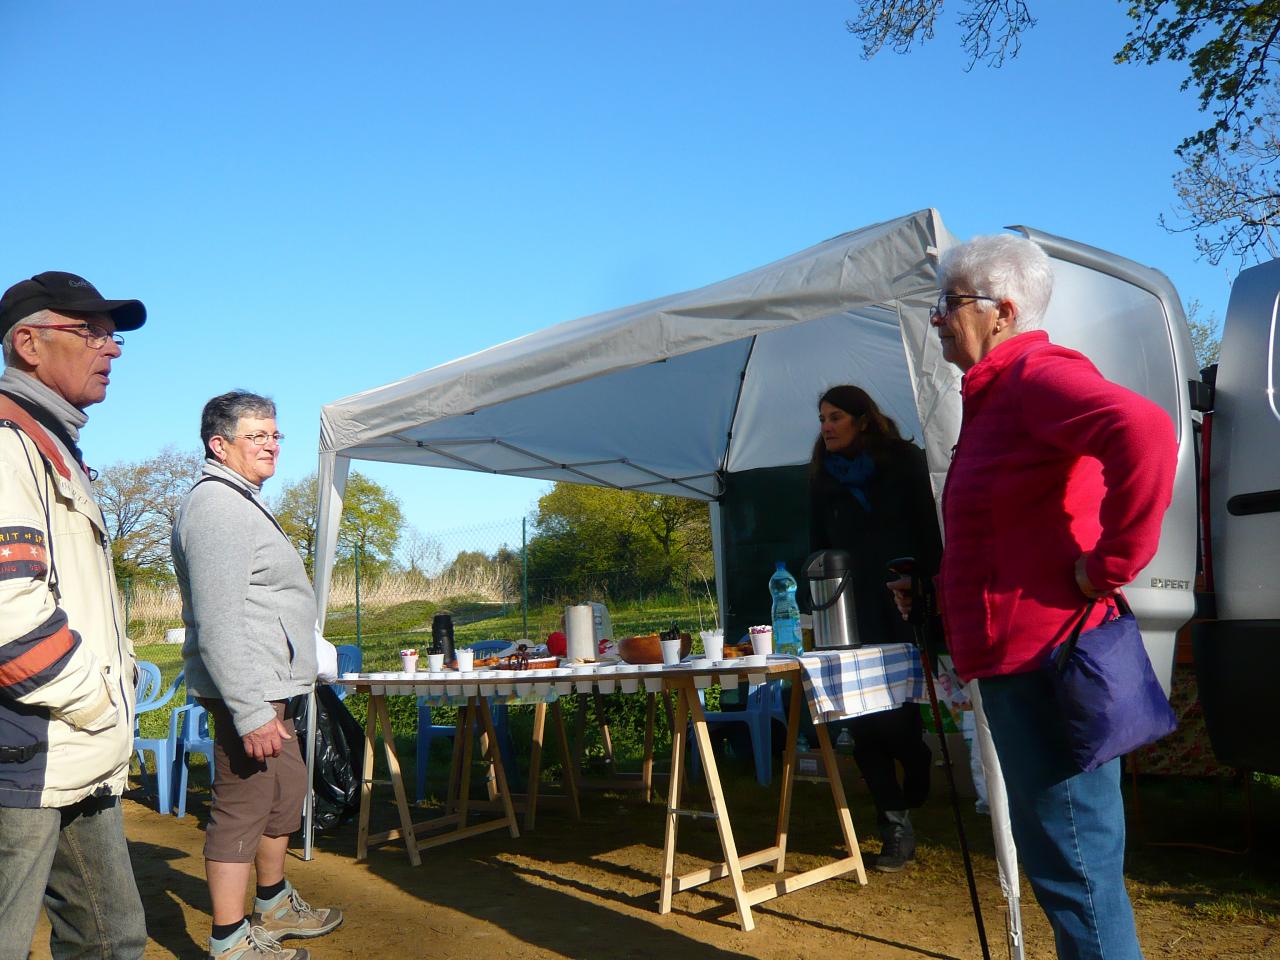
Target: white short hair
[
  {"x": 1003, "y": 267},
  {"x": 37, "y": 319}
]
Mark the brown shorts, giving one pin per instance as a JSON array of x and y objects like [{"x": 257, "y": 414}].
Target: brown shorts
[{"x": 251, "y": 798}]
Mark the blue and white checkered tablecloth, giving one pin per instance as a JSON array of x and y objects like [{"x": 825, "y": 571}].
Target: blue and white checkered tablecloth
[{"x": 846, "y": 683}]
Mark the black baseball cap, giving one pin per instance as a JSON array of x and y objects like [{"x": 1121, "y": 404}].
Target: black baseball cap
[{"x": 65, "y": 292}]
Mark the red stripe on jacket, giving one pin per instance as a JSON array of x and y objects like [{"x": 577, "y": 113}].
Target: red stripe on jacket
[{"x": 38, "y": 658}]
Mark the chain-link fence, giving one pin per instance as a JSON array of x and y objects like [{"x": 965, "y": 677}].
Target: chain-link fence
[
  {"x": 501, "y": 580},
  {"x": 501, "y": 575}
]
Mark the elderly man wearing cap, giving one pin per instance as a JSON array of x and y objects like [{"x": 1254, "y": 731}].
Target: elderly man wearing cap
[{"x": 66, "y": 666}]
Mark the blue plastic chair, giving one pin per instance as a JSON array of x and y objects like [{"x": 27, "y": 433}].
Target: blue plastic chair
[
  {"x": 427, "y": 731},
  {"x": 764, "y": 705},
  {"x": 350, "y": 660},
  {"x": 190, "y": 731},
  {"x": 150, "y": 694}
]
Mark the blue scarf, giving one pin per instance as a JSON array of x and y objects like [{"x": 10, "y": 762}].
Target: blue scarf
[{"x": 853, "y": 475}]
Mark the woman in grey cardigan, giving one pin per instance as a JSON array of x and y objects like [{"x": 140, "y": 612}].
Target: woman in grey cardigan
[{"x": 250, "y": 652}]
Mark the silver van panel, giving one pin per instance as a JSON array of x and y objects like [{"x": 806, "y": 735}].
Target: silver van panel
[{"x": 1244, "y": 452}]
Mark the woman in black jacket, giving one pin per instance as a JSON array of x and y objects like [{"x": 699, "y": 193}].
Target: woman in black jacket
[{"x": 870, "y": 495}]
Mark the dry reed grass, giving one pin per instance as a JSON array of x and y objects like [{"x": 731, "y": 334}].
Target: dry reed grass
[
  {"x": 160, "y": 607},
  {"x": 489, "y": 583}
]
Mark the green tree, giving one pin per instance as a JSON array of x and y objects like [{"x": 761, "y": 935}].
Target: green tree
[
  {"x": 1206, "y": 336},
  {"x": 371, "y": 519},
  {"x": 1228, "y": 193},
  {"x": 590, "y": 539},
  {"x": 139, "y": 502}
]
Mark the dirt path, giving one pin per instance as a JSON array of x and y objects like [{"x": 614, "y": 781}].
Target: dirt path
[{"x": 589, "y": 890}]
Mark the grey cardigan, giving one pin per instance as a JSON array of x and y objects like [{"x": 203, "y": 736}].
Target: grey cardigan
[{"x": 247, "y": 604}]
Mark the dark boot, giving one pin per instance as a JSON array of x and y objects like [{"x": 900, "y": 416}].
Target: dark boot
[{"x": 897, "y": 839}]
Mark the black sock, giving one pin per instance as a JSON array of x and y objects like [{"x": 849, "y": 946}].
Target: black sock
[
  {"x": 223, "y": 930},
  {"x": 271, "y": 892}
]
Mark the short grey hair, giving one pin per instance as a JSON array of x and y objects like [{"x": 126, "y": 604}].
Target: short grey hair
[
  {"x": 37, "y": 319},
  {"x": 1003, "y": 267},
  {"x": 222, "y": 414}
]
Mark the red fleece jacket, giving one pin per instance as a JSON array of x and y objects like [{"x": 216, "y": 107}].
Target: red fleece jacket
[{"x": 1053, "y": 460}]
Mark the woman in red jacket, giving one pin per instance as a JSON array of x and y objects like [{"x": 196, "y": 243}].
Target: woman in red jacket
[{"x": 1055, "y": 495}]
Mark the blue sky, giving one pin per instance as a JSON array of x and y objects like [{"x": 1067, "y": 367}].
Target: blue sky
[{"x": 317, "y": 198}]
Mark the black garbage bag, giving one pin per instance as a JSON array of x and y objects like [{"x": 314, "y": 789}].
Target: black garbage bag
[{"x": 339, "y": 743}]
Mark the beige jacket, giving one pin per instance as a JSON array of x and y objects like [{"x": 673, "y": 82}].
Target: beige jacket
[{"x": 66, "y": 666}]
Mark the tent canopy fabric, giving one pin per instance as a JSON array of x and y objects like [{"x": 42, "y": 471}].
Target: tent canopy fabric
[
  {"x": 668, "y": 395},
  {"x": 706, "y": 365}
]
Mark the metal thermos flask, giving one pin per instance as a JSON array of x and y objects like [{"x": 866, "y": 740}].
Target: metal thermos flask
[
  {"x": 442, "y": 635},
  {"x": 835, "y": 621}
]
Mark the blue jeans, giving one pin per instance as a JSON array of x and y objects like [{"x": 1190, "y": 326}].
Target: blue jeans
[
  {"x": 74, "y": 859},
  {"x": 1068, "y": 825}
]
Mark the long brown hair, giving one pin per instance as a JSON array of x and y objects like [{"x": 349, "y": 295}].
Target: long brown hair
[{"x": 876, "y": 431}]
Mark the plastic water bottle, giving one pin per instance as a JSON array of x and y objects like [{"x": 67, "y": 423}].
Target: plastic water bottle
[{"x": 786, "y": 615}]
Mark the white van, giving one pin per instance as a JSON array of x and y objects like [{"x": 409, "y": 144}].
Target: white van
[{"x": 1240, "y": 514}]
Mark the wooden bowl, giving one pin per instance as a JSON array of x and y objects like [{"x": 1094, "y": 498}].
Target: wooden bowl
[{"x": 647, "y": 648}]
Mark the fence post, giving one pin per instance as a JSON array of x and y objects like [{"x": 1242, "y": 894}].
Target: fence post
[
  {"x": 357, "y": 556},
  {"x": 524, "y": 577},
  {"x": 127, "y": 584}
]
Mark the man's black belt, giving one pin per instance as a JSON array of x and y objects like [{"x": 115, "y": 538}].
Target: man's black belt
[{"x": 21, "y": 754}]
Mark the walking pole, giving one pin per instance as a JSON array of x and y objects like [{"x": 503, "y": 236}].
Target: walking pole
[{"x": 906, "y": 567}]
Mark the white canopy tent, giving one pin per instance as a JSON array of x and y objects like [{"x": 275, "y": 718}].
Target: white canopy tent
[
  {"x": 675, "y": 394},
  {"x": 669, "y": 395}
]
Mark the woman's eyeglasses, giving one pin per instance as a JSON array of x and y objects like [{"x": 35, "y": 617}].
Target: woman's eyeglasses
[
  {"x": 950, "y": 301},
  {"x": 260, "y": 439}
]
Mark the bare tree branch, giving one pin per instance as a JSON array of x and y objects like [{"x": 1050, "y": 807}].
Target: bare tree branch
[{"x": 992, "y": 28}]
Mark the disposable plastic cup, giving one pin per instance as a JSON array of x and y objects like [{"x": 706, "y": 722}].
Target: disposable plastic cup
[
  {"x": 762, "y": 640},
  {"x": 653, "y": 684},
  {"x": 563, "y": 680},
  {"x": 756, "y": 660},
  {"x": 701, "y": 680},
  {"x": 466, "y": 659},
  {"x": 629, "y": 684},
  {"x": 541, "y": 681},
  {"x": 584, "y": 679},
  {"x": 409, "y": 662},
  {"x": 605, "y": 680},
  {"x": 488, "y": 682},
  {"x": 435, "y": 662},
  {"x": 671, "y": 652},
  {"x": 506, "y": 684},
  {"x": 712, "y": 643}
]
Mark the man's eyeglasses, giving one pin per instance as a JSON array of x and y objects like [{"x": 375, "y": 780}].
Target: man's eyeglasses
[
  {"x": 93, "y": 334},
  {"x": 949, "y": 301},
  {"x": 260, "y": 439}
]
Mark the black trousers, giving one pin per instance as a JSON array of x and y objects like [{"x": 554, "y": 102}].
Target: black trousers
[{"x": 883, "y": 740}]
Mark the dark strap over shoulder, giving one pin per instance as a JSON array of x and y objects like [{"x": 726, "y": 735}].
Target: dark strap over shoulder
[
  {"x": 21, "y": 419},
  {"x": 1063, "y": 653},
  {"x": 248, "y": 496}
]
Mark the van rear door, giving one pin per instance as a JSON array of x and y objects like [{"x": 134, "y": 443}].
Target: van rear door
[{"x": 1236, "y": 654}]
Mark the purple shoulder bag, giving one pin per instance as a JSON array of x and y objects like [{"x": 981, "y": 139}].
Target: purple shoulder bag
[{"x": 1110, "y": 699}]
